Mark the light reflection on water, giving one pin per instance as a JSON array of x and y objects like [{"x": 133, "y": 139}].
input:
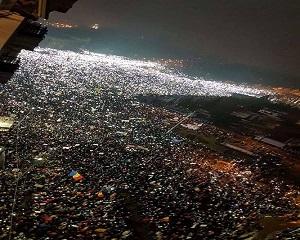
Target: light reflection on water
[{"x": 132, "y": 77}]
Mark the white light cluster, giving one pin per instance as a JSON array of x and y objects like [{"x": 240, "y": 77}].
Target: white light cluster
[{"x": 132, "y": 77}]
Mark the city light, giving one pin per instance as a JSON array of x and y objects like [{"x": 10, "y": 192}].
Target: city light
[
  {"x": 133, "y": 77},
  {"x": 95, "y": 26}
]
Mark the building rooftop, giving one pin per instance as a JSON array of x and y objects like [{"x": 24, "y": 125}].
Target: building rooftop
[
  {"x": 6, "y": 123},
  {"x": 272, "y": 142},
  {"x": 9, "y": 23},
  {"x": 19, "y": 29}
]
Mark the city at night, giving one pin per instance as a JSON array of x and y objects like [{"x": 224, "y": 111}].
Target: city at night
[{"x": 162, "y": 119}]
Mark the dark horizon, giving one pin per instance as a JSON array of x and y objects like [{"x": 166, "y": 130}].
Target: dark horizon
[
  {"x": 123, "y": 43},
  {"x": 263, "y": 34}
]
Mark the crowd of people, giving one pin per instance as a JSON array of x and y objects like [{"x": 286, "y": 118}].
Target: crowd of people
[{"x": 137, "y": 179}]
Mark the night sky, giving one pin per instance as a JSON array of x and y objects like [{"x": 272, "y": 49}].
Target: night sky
[{"x": 260, "y": 33}]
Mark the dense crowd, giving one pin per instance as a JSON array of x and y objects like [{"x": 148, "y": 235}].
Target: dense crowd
[{"x": 138, "y": 180}]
